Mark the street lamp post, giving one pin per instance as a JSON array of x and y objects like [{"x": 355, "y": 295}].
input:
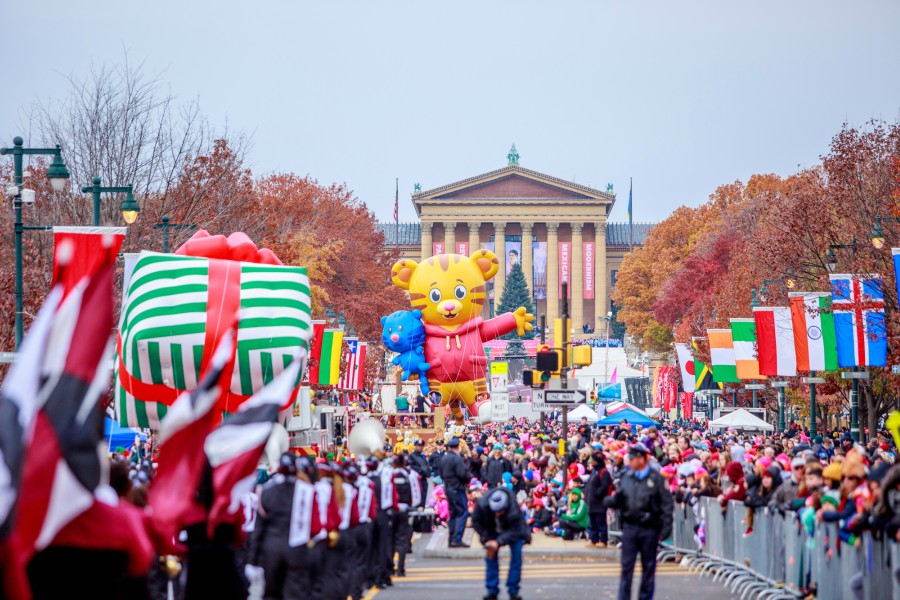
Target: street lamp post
[
  {"x": 166, "y": 226},
  {"x": 57, "y": 173},
  {"x": 129, "y": 208}
]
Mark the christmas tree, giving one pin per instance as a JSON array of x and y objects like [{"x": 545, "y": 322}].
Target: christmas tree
[{"x": 515, "y": 294}]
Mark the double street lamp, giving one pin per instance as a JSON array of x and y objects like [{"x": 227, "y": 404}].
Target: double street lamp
[{"x": 57, "y": 173}]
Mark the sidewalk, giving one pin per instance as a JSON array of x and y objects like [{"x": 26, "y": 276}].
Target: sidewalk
[{"x": 541, "y": 546}]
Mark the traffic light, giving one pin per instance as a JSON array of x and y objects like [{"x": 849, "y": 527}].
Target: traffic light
[
  {"x": 581, "y": 355},
  {"x": 593, "y": 397},
  {"x": 527, "y": 377},
  {"x": 547, "y": 359}
]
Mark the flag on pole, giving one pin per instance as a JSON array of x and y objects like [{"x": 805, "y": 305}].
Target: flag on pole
[
  {"x": 354, "y": 365},
  {"x": 234, "y": 448},
  {"x": 721, "y": 350},
  {"x": 330, "y": 359},
  {"x": 896, "y": 254},
  {"x": 703, "y": 374},
  {"x": 743, "y": 333},
  {"x": 61, "y": 468},
  {"x": 614, "y": 377},
  {"x": 630, "y": 226},
  {"x": 814, "y": 337},
  {"x": 182, "y": 435},
  {"x": 686, "y": 362},
  {"x": 775, "y": 341},
  {"x": 397, "y": 211},
  {"x": 315, "y": 352},
  {"x": 858, "y": 302}
]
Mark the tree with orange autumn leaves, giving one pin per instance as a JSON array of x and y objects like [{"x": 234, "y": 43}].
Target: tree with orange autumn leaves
[{"x": 697, "y": 268}]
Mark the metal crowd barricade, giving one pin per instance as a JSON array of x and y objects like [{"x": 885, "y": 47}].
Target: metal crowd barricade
[
  {"x": 877, "y": 577},
  {"x": 614, "y": 524},
  {"x": 895, "y": 564}
]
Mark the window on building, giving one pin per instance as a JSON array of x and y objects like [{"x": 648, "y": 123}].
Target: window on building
[{"x": 613, "y": 278}]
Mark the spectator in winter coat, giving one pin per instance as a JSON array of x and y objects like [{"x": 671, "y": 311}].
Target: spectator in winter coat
[
  {"x": 787, "y": 492},
  {"x": 599, "y": 486},
  {"x": 441, "y": 506},
  {"x": 575, "y": 520},
  {"x": 541, "y": 518},
  {"x": 737, "y": 489},
  {"x": 495, "y": 466}
]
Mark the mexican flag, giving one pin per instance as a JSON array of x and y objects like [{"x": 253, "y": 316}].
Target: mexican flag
[
  {"x": 743, "y": 334},
  {"x": 814, "y": 338},
  {"x": 721, "y": 350}
]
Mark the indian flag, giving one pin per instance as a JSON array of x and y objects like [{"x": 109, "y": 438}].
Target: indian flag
[
  {"x": 743, "y": 335},
  {"x": 814, "y": 338},
  {"x": 330, "y": 361},
  {"x": 721, "y": 350}
]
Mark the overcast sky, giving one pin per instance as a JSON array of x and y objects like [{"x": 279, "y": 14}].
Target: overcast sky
[{"x": 681, "y": 96}]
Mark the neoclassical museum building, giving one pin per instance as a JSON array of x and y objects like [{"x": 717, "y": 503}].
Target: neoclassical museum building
[{"x": 557, "y": 229}]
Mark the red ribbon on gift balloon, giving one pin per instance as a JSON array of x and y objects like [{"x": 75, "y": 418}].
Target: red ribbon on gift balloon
[{"x": 222, "y": 305}]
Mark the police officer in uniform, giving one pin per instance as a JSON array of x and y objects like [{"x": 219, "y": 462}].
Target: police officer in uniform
[{"x": 645, "y": 505}]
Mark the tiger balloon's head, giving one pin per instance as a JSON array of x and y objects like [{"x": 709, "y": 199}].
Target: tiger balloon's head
[{"x": 449, "y": 289}]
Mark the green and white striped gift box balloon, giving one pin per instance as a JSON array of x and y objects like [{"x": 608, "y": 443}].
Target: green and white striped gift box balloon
[{"x": 164, "y": 321}]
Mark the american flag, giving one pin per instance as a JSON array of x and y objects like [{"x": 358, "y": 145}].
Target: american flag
[{"x": 353, "y": 371}]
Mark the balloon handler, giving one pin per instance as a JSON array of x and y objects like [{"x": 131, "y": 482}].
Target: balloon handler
[{"x": 450, "y": 290}]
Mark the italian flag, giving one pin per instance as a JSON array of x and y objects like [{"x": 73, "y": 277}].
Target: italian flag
[
  {"x": 721, "y": 351},
  {"x": 814, "y": 337},
  {"x": 330, "y": 358},
  {"x": 743, "y": 334},
  {"x": 775, "y": 341}
]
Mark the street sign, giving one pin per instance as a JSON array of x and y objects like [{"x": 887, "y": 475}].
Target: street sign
[
  {"x": 895, "y": 369},
  {"x": 537, "y": 401},
  {"x": 809, "y": 380},
  {"x": 499, "y": 407},
  {"x": 855, "y": 375},
  {"x": 780, "y": 384},
  {"x": 755, "y": 386},
  {"x": 564, "y": 396},
  {"x": 8, "y": 357}
]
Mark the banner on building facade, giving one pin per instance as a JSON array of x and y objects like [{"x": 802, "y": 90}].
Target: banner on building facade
[
  {"x": 437, "y": 248},
  {"x": 513, "y": 255},
  {"x": 565, "y": 266},
  {"x": 462, "y": 248},
  {"x": 490, "y": 283},
  {"x": 539, "y": 275},
  {"x": 588, "y": 270}
]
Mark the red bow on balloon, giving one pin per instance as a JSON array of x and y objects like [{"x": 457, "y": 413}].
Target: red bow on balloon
[{"x": 237, "y": 246}]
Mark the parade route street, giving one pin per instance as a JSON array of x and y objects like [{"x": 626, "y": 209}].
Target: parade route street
[{"x": 542, "y": 578}]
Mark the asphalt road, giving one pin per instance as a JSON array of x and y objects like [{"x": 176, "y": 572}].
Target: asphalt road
[{"x": 444, "y": 579}]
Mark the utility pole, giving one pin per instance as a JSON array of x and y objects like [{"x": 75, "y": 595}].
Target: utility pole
[
  {"x": 543, "y": 341},
  {"x": 564, "y": 375}
]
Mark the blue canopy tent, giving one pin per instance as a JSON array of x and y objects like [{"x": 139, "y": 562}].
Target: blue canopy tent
[
  {"x": 116, "y": 435},
  {"x": 626, "y": 414}
]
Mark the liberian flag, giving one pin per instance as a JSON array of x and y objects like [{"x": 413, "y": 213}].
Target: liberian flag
[
  {"x": 814, "y": 337},
  {"x": 686, "y": 362},
  {"x": 743, "y": 334},
  {"x": 721, "y": 350},
  {"x": 354, "y": 366},
  {"x": 775, "y": 341},
  {"x": 235, "y": 447},
  {"x": 181, "y": 437},
  {"x": 858, "y": 302}
]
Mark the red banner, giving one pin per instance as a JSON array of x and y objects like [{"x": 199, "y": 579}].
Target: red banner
[
  {"x": 588, "y": 249},
  {"x": 437, "y": 248},
  {"x": 565, "y": 266},
  {"x": 462, "y": 248},
  {"x": 687, "y": 405}
]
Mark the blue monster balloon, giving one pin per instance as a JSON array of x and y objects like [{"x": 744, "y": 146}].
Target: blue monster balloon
[{"x": 403, "y": 332}]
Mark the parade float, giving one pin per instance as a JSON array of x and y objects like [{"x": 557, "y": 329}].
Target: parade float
[{"x": 449, "y": 292}]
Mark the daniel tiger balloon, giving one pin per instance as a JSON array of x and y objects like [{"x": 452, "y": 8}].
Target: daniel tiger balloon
[{"x": 450, "y": 291}]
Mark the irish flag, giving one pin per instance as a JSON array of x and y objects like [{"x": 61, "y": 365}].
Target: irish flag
[
  {"x": 743, "y": 333},
  {"x": 814, "y": 338},
  {"x": 775, "y": 341},
  {"x": 721, "y": 351}
]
